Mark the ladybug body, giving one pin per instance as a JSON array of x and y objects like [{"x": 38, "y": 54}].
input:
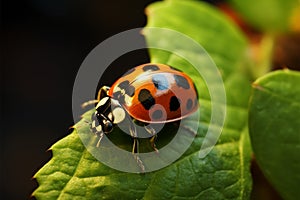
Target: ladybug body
[
  {"x": 155, "y": 93},
  {"x": 150, "y": 94}
]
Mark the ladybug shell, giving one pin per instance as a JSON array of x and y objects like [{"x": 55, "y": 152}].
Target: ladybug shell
[{"x": 155, "y": 93}]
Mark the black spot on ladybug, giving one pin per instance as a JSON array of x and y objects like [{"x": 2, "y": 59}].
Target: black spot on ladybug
[
  {"x": 189, "y": 104},
  {"x": 181, "y": 82},
  {"x": 150, "y": 68},
  {"x": 124, "y": 85},
  {"x": 118, "y": 95},
  {"x": 129, "y": 89},
  {"x": 146, "y": 99},
  {"x": 129, "y": 71},
  {"x": 160, "y": 82},
  {"x": 157, "y": 114},
  {"x": 174, "y": 103}
]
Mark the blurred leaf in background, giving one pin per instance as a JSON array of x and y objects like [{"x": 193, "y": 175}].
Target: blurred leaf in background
[
  {"x": 275, "y": 129},
  {"x": 272, "y": 16}
]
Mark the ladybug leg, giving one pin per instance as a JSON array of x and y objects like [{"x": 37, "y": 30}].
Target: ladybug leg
[
  {"x": 135, "y": 147},
  {"x": 152, "y": 142},
  {"x": 152, "y": 132},
  {"x": 135, "y": 154},
  {"x": 133, "y": 134},
  {"x": 100, "y": 138}
]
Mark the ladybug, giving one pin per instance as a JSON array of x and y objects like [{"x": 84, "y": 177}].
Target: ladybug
[{"x": 148, "y": 94}]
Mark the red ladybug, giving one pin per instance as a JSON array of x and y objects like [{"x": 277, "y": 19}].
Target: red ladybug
[{"x": 150, "y": 94}]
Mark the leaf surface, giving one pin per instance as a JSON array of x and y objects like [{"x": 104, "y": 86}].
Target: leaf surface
[
  {"x": 275, "y": 129},
  {"x": 73, "y": 173}
]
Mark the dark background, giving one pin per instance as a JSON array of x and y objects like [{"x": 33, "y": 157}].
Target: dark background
[{"x": 43, "y": 45}]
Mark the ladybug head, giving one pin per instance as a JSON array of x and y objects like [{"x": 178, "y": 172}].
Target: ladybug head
[{"x": 108, "y": 113}]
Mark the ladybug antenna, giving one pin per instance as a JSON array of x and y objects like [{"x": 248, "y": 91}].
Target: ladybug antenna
[{"x": 88, "y": 103}]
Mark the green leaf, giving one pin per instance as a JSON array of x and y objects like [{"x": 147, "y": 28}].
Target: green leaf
[
  {"x": 206, "y": 25},
  {"x": 73, "y": 173},
  {"x": 215, "y": 33},
  {"x": 269, "y": 15},
  {"x": 274, "y": 129}
]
